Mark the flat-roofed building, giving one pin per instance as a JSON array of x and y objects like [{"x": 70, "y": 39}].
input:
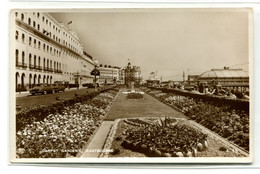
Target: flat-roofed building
[{"x": 109, "y": 74}]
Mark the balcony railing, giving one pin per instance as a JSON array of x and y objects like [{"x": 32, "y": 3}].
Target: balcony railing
[
  {"x": 50, "y": 69},
  {"x": 31, "y": 66},
  {"x": 39, "y": 67},
  {"x": 22, "y": 65}
]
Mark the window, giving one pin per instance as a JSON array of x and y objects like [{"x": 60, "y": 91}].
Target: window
[
  {"x": 43, "y": 19},
  {"x": 50, "y": 24},
  {"x": 39, "y": 61},
  {"x": 34, "y": 61},
  {"x": 43, "y": 47},
  {"x": 16, "y": 14},
  {"x": 22, "y": 16},
  {"x": 34, "y": 43},
  {"x": 16, "y": 56},
  {"x": 16, "y": 35},
  {"x": 43, "y": 63},
  {"x": 47, "y": 48},
  {"x": 30, "y": 41},
  {"x": 23, "y": 38},
  {"x": 30, "y": 59},
  {"x": 46, "y": 21},
  {"x": 38, "y": 15},
  {"x": 29, "y": 21},
  {"x": 38, "y": 27},
  {"x": 34, "y": 24},
  {"x": 23, "y": 57},
  {"x": 39, "y": 45},
  {"x": 47, "y": 63}
]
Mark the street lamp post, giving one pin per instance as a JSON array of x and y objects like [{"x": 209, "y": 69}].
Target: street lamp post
[
  {"x": 77, "y": 79},
  {"x": 95, "y": 72}
]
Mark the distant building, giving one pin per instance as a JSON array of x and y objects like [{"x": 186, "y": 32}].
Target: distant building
[
  {"x": 153, "y": 82},
  {"x": 121, "y": 78},
  {"x": 193, "y": 78},
  {"x": 109, "y": 75},
  {"x": 230, "y": 78},
  {"x": 132, "y": 74}
]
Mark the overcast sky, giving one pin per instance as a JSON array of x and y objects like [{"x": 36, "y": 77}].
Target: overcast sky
[{"x": 167, "y": 41}]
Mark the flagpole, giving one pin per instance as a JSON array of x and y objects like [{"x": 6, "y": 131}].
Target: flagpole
[{"x": 70, "y": 26}]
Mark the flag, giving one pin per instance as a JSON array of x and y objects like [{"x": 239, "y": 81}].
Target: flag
[{"x": 70, "y": 22}]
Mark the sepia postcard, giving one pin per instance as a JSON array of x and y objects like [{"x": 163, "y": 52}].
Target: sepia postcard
[{"x": 131, "y": 85}]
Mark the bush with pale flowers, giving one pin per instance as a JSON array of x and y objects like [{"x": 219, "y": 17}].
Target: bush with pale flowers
[{"x": 63, "y": 134}]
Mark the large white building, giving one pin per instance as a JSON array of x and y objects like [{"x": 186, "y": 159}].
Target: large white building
[
  {"x": 108, "y": 74},
  {"x": 46, "y": 51}
]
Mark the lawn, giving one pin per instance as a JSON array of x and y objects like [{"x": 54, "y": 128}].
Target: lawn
[{"x": 147, "y": 106}]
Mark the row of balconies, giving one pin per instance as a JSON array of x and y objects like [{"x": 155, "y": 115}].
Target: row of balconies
[{"x": 36, "y": 67}]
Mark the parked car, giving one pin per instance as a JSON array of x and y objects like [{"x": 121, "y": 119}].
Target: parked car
[
  {"x": 58, "y": 87},
  {"x": 42, "y": 88},
  {"x": 89, "y": 85}
]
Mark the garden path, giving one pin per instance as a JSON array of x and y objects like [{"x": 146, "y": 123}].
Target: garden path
[
  {"x": 148, "y": 106},
  {"x": 98, "y": 141}
]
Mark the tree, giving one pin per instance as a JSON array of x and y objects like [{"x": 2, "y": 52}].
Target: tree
[{"x": 95, "y": 72}]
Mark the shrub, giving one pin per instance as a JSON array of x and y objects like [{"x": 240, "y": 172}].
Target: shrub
[{"x": 134, "y": 96}]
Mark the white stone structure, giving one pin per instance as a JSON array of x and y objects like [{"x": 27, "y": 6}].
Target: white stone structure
[{"x": 46, "y": 51}]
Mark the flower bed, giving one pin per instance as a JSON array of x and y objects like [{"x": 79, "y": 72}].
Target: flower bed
[
  {"x": 227, "y": 122},
  {"x": 64, "y": 133},
  {"x": 168, "y": 138},
  {"x": 133, "y": 95},
  {"x": 29, "y": 115}
]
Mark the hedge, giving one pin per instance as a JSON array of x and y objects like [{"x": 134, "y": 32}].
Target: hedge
[{"x": 216, "y": 100}]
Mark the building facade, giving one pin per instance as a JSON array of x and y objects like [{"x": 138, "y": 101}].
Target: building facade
[
  {"x": 46, "y": 51},
  {"x": 237, "y": 79},
  {"x": 132, "y": 74},
  {"x": 109, "y": 75}
]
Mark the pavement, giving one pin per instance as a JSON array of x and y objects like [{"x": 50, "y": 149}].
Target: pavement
[{"x": 94, "y": 148}]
